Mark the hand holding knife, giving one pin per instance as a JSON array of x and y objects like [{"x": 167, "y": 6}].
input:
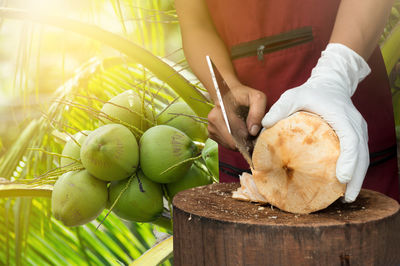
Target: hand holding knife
[{"x": 234, "y": 114}]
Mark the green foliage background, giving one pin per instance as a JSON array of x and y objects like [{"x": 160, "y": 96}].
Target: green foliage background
[{"x": 65, "y": 69}]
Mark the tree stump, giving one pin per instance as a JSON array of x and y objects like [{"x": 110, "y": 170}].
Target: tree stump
[{"x": 211, "y": 228}]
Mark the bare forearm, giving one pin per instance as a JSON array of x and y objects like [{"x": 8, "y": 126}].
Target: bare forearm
[
  {"x": 200, "y": 39},
  {"x": 197, "y": 45},
  {"x": 359, "y": 24}
]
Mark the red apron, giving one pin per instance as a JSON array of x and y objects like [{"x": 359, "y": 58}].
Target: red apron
[{"x": 274, "y": 46}]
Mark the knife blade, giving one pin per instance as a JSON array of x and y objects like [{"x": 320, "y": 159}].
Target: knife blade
[{"x": 234, "y": 114}]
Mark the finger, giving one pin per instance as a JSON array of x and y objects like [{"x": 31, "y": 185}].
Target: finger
[
  {"x": 349, "y": 143},
  {"x": 257, "y": 104},
  {"x": 354, "y": 186},
  {"x": 217, "y": 129},
  {"x": 225, "y": 142},
  {"x": 223, "y": 138},
  {"x": 285, "y": 106}
]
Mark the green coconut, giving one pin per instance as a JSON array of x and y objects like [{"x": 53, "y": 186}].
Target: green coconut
[
  {"x": 193, "y": 178},
  {"x": 78, "y": 198},
  {"x": 182, "y": 117},
  {"x": 72, "y": 149},
  {"x": 129, "y": 108},
  {"x": 210, "y": 156},
  {"x": 110, "y": 152},
  {"x": 134, "y": 204},
  {"x": 165, "y": 152}
]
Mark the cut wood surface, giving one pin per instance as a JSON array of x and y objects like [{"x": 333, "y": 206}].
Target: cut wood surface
[
  {"x": 212, "y": 228},
  {"x": 295, "y": 164}
]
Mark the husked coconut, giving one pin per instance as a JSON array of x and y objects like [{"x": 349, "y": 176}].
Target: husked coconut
[{"x": 295, "y": 166}]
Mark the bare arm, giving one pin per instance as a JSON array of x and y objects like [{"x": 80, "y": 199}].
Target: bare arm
[
  {"x": 200, "y": 38},
  {"x": 359, "y": 24}
]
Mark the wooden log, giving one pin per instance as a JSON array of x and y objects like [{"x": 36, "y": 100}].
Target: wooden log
[{"x": 211, "y": 228}]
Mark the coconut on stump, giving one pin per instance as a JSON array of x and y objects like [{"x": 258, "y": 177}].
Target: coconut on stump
[{"x": 294, "y": 166}]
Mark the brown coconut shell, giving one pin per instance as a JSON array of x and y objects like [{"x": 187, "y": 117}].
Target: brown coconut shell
[{"x": 295, "y": 164}]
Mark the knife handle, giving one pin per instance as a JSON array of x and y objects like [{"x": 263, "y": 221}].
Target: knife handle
[{"x": 242, "y": 112}]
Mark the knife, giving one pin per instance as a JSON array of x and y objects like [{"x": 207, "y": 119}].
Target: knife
[{"x": 234, "y": 115}]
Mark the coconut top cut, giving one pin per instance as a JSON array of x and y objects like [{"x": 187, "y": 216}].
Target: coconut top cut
[{"x": 295, "y": 164}]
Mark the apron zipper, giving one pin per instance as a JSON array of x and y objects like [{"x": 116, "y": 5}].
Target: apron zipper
[
  {"x": 273, "y": 43},
  {"x": 260, "y": 52}
]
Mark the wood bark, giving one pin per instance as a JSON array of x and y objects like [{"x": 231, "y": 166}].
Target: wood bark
[{"x": 211, "y": 228}]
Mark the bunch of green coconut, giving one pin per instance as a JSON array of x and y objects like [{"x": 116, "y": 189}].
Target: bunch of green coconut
[{"x": 133, "y": 162}]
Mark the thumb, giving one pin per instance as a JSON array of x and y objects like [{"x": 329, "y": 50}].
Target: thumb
[
  {"x": 281, "y": 109},
  {"x": 257, "y": 106}
]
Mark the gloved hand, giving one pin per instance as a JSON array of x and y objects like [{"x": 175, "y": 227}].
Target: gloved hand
[{"x": 328, "y": 93}]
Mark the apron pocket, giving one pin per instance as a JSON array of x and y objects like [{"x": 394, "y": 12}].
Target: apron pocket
[{"x": 273, "y": 43}]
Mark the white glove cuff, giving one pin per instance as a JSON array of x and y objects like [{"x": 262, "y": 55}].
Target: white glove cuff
[{"x": 339, "y": 63}]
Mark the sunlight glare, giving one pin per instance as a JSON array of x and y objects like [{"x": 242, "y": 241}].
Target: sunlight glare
[{"x": 46, "y": 6}]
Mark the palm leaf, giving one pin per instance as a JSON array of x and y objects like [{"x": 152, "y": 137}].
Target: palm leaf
[
  {"x": 390, "y": 48},
  {"x": 40, "y": 238},
  {"x": 9, "y": 190},
  {"x": 157, "y": 254},
  {"x": 163, "y": 71},
  {"x": 76, "y": 119}
]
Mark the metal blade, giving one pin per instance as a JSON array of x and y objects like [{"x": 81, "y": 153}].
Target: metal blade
[
  {"x": 235, "y": 115},
  {"x": 214, "y": 72}
]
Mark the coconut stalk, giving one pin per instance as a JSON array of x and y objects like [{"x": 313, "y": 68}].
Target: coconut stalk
[
  {"x": 9, "y": 162},
  {"x": 25, "y": 190},
  {"x": 195, "y": 99},
  {"x": 39, "y": 245}
]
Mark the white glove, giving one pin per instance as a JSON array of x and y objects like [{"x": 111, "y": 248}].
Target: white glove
[{"x": 328, "y": 93}]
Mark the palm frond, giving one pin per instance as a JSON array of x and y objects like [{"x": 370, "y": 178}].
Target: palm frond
[
  {"x": 88, "y": 90},
  {"x": 10, "y": 190},
  {"x": 31, "y": 235},
  {"x": 157, "y": 254},
  {"x": 159, "y": 68}
]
